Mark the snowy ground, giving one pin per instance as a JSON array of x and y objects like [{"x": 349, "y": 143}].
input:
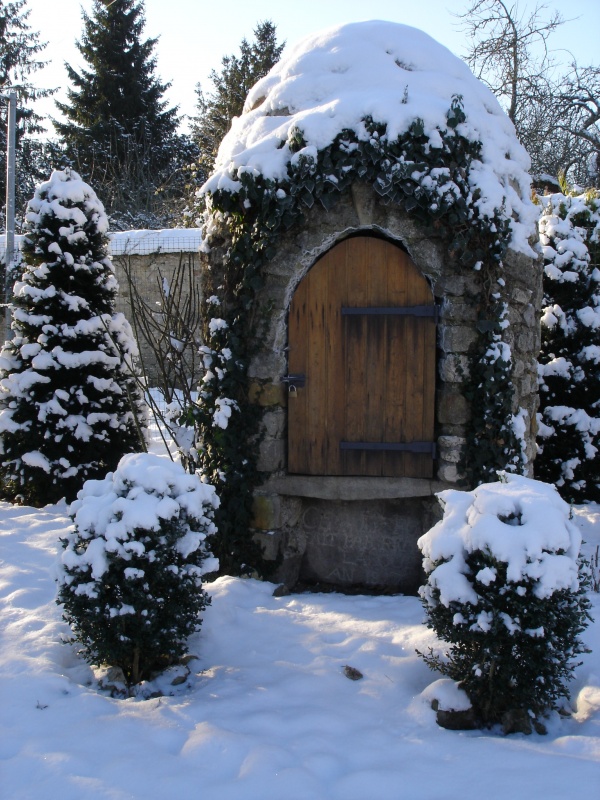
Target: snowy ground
[{"x": 267, "y": 712}]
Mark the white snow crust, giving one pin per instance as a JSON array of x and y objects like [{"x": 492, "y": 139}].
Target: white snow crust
[
  {"x": 448, "y": 695},
  {"x": 267, "y": 711},
  {"x": 334, "y": 79}
]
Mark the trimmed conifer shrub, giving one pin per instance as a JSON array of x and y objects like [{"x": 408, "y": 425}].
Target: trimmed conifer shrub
[
  {"x": 131, "y": 579},
  {"x": 505, "y": 595},
  {"x": 569, "y": 361},
  {"x": 70, "y": 404}
]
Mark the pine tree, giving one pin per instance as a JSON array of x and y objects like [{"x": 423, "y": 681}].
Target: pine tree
[
  {"x": 120, "y": 133},
  {"x": 67, "y": 393},
  {"x": 230, "y": 87},
  {"x": 569, "y": 361},
  {"x": 20, "y": 48}
]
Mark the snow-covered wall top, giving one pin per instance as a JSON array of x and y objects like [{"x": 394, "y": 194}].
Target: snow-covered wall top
[
  {"x": 174, "y": 240},
  {"x": 144, "y": 242},
  {"x": 18, "y": 240},
  {"x": 395, "y": 74}
]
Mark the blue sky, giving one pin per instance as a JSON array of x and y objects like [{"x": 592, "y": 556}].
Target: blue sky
[{"x": 195, "y": 34}]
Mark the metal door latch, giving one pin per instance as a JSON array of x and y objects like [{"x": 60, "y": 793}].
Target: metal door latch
[{"x": 294, "y": 382}]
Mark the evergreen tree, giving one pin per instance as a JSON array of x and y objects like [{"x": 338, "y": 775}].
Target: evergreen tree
[
  {"x": 20, "y": 48},
  {"x": 230, "y": 87},
  {"x": 119, "y": 131},
  {"x": 569, "y": 418},
  {"x": 68, "y": 396}
]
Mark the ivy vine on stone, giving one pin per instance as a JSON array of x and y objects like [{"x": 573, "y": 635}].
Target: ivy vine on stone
[{"x": 429, "y": 183}]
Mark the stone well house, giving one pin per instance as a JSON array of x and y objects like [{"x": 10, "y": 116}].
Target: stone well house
[
  {"x": 366, "y": 349},
  {"x": 369, "y": 321},
  {"x": 374, "y": 319}
]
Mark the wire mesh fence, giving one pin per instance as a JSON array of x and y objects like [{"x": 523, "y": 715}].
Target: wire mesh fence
[
  {"x": 142, "y": 242},
  {"x": 179, "y": 240}
]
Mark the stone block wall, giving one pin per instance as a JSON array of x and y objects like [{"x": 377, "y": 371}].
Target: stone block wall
[
  {"x": 147, "y": 256},
  {"x": 147, "y": 272}
]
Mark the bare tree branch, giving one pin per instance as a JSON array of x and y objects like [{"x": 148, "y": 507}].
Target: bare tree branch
[
  {"x": 556, "y": 117},
  {"x": 169, "y": 341}
]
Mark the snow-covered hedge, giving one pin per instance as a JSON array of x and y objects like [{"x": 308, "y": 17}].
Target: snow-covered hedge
[
  {"x": 504, "y": 591},
  {"x": 131, "y": 578},
  {"x": 569, "y": 363}
]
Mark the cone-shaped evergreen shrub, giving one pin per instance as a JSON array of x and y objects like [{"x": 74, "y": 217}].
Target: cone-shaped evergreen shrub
[
  {"x": 569, "y": 368},
  {"x": 69, "y": 401},
  {"x": 131, "y": 583},
  {"x": 503, "y": 591}
]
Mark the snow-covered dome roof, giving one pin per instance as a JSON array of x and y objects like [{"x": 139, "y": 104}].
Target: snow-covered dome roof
[{"x": 393, "y": 73}]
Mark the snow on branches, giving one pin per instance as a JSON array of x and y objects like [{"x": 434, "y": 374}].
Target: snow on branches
[
  {"x": 569, "y": 371},
  {"x": 131, "y": 578},
  {"x": 69, "y": 404},
  {"x": 505, "y": 593}
]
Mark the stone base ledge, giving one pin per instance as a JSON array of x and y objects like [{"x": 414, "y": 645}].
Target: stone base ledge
[{"x": 353, "y": 488}]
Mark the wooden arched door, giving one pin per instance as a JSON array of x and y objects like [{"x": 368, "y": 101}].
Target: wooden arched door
[{"x": 362, "y": 327}]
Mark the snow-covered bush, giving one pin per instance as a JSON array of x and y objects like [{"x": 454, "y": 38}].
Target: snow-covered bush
[
  {"x": 131, "y": 578},
  {"x": 569, "y": 362},
  {"x": 504, "y": 592},
  {"x": 70, "y": 404}
]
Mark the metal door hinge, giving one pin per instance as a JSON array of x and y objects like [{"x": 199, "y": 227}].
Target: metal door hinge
[{"x": 399, "y": 311}]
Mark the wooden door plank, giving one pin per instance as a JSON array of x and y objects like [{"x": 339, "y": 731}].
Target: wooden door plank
[
  {"x": 422, "y": 465},
  {"x": 354, "y": 462},
  {"x": 430, "y": 332},
  {"x": 298, "y": 365},
  {"x": 337, "y": 268},
  {"x": 395, "y": 464},
  {"x": 418, "y": 292},
  {"x": 316, "y": 384},
  {"x": 375, "y": 350},
  {"x": 414, "y": 400}
]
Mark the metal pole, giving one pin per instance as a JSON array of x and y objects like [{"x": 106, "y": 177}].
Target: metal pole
[{"x": 10, "y": 203}]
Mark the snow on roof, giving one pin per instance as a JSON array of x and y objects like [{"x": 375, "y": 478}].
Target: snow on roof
[
  {"x": 334, "y": 79},
  {"x": 144, "y": 242}
]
